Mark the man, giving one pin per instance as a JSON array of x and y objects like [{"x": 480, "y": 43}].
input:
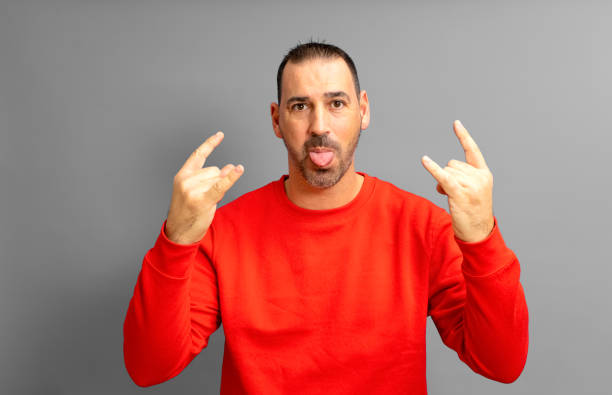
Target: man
[{"x": 324, "y": 279}]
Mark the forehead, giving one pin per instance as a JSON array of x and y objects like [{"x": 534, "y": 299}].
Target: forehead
[{"x": 314, "y": 77}]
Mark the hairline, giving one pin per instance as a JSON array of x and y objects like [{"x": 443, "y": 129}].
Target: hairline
[{"x": 330, "y": 57}]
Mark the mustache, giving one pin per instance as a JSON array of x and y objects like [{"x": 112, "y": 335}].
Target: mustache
[{"x": 321, "y": 141}]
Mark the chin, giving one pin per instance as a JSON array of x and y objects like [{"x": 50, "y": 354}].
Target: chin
[{"x": 323, "y": 178}]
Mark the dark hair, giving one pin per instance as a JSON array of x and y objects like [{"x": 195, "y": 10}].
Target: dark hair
[{"x": 314, "y": 50}]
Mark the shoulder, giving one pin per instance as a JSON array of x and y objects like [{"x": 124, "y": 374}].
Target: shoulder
[
  {"x": 258, "y": 198},
  {"x": 391, "y": 194},
  {"x": 407, "y": 210},
  {"x": 397, "y": 204}
]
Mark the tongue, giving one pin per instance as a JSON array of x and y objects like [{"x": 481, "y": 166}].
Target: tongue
[{"x": 322, "y": 159}]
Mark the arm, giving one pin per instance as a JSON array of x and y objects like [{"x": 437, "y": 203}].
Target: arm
[
  {"x": 475, "y": 299},
  {"x": 174, "y": 310},
  {"x": 175, "y": 306},
  {"x": 477, "y": 302}
]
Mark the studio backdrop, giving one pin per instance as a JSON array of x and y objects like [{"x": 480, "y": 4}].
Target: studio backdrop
[{"x": 102, "y": 101}]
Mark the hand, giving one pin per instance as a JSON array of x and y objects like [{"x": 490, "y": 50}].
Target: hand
[
  {"x": 196, "y": 193},
  {"x": 469, "y": 187}
]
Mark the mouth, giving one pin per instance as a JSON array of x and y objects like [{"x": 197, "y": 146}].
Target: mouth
[
  {"x": 321, "y": 156},
  {"x": 320, "y": 149}
]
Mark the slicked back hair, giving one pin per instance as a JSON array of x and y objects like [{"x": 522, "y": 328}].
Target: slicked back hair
[{"x": 315, "y": 50}]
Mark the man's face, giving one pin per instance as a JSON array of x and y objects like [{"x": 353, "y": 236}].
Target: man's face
[{"x": 320, "y": 118}]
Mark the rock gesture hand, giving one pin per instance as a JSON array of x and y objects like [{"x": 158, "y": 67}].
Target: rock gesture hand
[
  {"x": 196, "y": 192},
  {"x": 469, "y": 187}
]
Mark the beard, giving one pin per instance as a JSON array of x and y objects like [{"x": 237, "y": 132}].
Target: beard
[{"x": 317, "y": 177}]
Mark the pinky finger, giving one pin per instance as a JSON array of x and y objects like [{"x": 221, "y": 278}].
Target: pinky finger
[{"x": 444, "y": 178}]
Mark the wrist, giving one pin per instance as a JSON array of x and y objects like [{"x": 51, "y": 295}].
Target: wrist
[
  {"x": 178, "y": 238},
  {"x": 477, "y": 233}
]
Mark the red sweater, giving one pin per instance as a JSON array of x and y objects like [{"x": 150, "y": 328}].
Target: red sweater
[{"x": 327, "y": 301}]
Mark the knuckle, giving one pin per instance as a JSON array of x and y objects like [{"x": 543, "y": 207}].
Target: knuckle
[
  {"x": 194, "y": 198},
  {"x": 177, "y": 178},
  {"x": 486, "y": 175},
  {"x": 217, "y": 188},
  {"x": 187, "y": 192},
  {"x": 233, "y": 176},
  {"x": 191, "y": 195},
  {"x": 183, "y": 188},
  {"x": 209, "y": 144}
]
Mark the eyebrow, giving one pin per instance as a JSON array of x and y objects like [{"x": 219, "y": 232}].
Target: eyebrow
[
  {"x": 326, "y": 94},
  {"x": 337, "y": 94},
  {"x": 297, "y": 98}
]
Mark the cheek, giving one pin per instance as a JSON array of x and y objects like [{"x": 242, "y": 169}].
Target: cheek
[
  {"x": 294, "y": 129},
  {"x": 346, "y": 125},
  {"x": 292, "y": 135}
]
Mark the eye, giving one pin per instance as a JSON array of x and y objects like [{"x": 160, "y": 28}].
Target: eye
[
  {"x": 299, "y": 106},
  {"x": 337, "y": 104}
]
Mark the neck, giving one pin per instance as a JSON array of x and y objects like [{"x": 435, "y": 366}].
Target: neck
[{"x": 304, "y": 195}]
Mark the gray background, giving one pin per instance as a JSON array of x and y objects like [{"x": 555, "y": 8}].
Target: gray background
[{"x": 102, "y": 101}]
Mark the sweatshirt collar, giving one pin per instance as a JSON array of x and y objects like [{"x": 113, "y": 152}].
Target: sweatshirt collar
[{"x": 344, "y": 211}]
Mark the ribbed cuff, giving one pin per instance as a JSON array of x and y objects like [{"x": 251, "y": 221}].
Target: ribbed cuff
[
  {"x": 485, "y": 257},
  {"x": 170, "y": 258}
]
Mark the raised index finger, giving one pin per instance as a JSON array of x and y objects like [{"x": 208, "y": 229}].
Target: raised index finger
[
  {"x": 198, "y": 157},
  {"x": 473, "y": 156}
]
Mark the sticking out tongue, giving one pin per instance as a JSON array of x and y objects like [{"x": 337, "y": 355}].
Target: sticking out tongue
[{"x": 321, "y": 159}]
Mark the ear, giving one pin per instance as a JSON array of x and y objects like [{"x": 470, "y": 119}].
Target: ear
[
  {"x": 274, "y": 114},
  {"x": 364, "y": 110}
]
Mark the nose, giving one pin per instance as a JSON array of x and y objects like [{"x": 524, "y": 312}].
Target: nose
[{"x": 319, "y": 122}]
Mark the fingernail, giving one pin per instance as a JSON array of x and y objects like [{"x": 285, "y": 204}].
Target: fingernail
[
  {"x": 426, "y": 158},
  {"x": 239, "y": 169},
  {"x": 459, "y": 122}
]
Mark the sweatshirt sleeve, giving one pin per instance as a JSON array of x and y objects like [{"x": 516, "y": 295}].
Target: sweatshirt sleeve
[
  {"x": 173, "y": 311},
  {"x": 477, "y": 302}
]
